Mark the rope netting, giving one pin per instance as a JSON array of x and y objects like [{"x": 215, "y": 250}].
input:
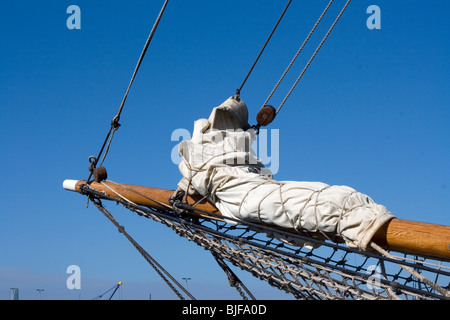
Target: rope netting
[{"x": 327, "y": 271}]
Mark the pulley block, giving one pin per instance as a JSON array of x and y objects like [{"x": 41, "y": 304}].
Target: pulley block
[
  {"x": 99, "y": 174},
  {"x": 266, "y": 115}
]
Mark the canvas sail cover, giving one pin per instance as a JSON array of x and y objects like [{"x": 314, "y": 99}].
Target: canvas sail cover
[{"x": 219, "y": 163}]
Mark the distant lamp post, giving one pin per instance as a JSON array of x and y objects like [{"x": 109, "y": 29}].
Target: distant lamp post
[
  {"x": 40, "y": 293},
  {"x": 186, "y": 279}
]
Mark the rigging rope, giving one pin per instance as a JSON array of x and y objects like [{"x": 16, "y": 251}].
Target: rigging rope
[
  {"x": 238, "y": 91},
  {"x": 233, "y": 278},
  {"x": 156, "y": 266},
  {"x": 115, "y": 121},
  {"x": 298, "y": 52},
  {"x": 312, "y": 57}
]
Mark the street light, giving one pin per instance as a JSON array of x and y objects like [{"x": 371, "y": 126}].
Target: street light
[
  {"x": 186, "y": 279},
  {"x": 40, "y": 292}
]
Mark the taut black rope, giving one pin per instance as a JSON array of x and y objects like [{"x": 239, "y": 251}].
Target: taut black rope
[
  {"x": 238, "y": 91},
  {"x": 115, "y": 121}
]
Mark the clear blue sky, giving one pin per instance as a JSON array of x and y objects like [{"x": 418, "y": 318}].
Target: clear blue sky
[{"x": 372, "y": 112}]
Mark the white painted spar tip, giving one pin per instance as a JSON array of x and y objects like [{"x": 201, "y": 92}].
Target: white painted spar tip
[{"x": 70, "y": 184}]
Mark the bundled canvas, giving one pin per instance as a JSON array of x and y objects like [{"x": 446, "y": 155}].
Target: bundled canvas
[{"x": 219, "y": 163}]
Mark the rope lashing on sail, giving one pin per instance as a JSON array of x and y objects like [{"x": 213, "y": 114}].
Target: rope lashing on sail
[
  {"x": 324, "y": 272},
  {"x": 115, "y": 121},
  {"x": 219, "y": 163},
  {"x": 191, "y": 208}
]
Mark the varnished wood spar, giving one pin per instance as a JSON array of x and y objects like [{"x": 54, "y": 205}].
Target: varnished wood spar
[
  {"x": 420, "y": 238},
  {"x": 144, "y": 196},
  {"x": 411, "y": 237}
]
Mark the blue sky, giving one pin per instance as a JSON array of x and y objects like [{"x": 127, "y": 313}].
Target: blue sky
[{"x": 371, "y": 112}]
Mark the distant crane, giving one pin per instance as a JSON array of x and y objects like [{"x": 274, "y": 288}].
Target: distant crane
[{"x": 113, "y": 289}]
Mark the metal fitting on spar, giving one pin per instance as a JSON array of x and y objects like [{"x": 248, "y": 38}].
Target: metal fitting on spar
[{"x": 70, "y": 185}]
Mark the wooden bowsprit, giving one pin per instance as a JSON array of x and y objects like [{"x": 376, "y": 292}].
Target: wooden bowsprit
[
  {"x": 404, "y": 236},
  {"x": 332, "y": 271}
]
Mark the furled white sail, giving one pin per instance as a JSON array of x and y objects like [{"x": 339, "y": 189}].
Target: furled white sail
[{"x": 218, "y": 163}]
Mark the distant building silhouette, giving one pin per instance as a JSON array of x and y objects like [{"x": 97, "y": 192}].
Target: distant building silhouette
[{"x": 14, "y": 294}]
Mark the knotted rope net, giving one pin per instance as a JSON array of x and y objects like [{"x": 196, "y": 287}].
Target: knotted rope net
[{"x": 325, "y": 271}]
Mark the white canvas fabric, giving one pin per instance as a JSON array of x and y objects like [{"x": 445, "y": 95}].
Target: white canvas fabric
[{"x": 220, "y": 164}]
